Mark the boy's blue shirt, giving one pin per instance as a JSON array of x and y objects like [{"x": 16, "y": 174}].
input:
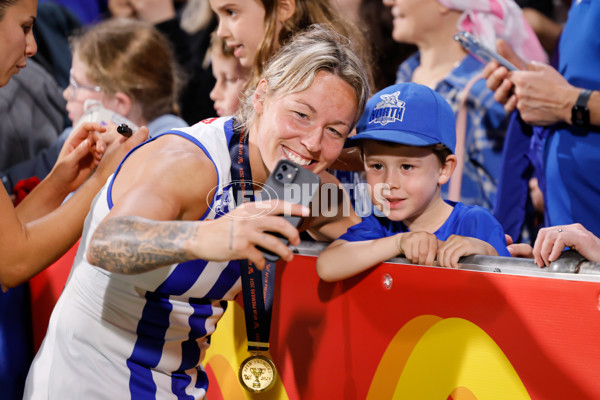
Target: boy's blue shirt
[{"x": 465, "y": 220}]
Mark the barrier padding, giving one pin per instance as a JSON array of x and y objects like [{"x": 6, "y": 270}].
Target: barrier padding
[{"x": 435, "y": 334}]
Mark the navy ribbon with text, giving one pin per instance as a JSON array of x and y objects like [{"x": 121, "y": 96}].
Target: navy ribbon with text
[{"x": 257, "y": 303}]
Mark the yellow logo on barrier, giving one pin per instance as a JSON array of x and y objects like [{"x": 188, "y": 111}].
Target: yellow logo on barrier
[
  {"x": 429, "y": 358},
  {"x": 432, "y": 358}
]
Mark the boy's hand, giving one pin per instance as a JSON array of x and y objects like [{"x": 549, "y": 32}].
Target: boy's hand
[
  {"x": 418, "y": 247},
  {"x": 456, "y": 246}
]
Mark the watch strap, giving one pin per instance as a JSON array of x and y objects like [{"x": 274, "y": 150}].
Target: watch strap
[
  {"x": 580, "y": 114},
  {"x": 583, "y": 98}
]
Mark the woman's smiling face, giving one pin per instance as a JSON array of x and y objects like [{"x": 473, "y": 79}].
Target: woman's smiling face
[{"x": 307, "y": 127}]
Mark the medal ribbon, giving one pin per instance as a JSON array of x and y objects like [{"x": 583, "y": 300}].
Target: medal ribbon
[{"x": 257, "y": 303}]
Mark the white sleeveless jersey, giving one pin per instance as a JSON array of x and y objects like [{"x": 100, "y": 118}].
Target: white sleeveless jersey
[{"x": 114, "y": 336}]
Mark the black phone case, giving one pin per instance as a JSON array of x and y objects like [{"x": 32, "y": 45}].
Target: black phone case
[{"x": 289, "y": 182}]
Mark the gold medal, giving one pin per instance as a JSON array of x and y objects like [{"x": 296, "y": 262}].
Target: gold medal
[{"x": 257, "y": 373}]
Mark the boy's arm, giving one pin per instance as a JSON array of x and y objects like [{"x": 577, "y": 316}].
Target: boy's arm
[
  {"x": 343, "y": 259},
  {"x": 457, "y": 246}
]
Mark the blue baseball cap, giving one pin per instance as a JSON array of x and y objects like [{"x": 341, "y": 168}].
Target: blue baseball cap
[{"x": 407, "y": 113}]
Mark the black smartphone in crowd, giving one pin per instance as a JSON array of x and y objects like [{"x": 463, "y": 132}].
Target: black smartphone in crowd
[
  {"x": 292, "y": 183},
  {"x": 484, "y": 54}
]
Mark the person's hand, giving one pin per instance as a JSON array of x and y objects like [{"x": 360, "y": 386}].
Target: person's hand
[
  {"x": 418, "y": 247},
  {"x": 79, "y": 156},
  {"x": 237, "y": 234},
  {"x": 121, "y": 9},
  {"x": 543, "y": 95},
  {"x": 497, "y": 77},
  {"x": 551, "y": 241},
  {"x": 518, "y": 249},
  {"x": 118, "y": 149},
  {"x": 522, "y": 250},
  {"x": 455, "y": 247}
]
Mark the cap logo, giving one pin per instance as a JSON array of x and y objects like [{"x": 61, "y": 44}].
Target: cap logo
[{"x": 389, "y": 109}]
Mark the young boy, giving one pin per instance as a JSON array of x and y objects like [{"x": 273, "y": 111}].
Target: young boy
[
  {"x": 407, "y": 137},
  {"x": 230, "y": 78}
]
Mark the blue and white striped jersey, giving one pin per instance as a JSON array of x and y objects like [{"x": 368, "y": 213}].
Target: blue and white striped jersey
[{"x": 138, "y": 336}]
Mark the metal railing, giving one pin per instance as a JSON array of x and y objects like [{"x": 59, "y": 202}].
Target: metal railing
[{"x": 570, "y": 265}]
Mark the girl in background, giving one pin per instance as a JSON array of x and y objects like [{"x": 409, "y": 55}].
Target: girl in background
[
  {"x": 126, "y": 67},
  {"x": 253, "y": 44}
]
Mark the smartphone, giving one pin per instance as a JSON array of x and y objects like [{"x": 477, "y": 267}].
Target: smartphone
[
  {"x": 294, "y": 184},
  {"x": 484, "y": 54}
]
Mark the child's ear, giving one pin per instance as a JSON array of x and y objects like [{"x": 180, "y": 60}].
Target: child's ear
[
  {"x": 447, "y": 169},
  {"x": 121, "y": 103},
  {"x": 285, "y": 10}
]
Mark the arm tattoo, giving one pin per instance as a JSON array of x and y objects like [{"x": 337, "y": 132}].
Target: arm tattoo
[{"x": 132, "y": 245}]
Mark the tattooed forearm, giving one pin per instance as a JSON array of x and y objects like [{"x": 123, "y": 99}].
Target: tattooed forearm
[{"x": 132, "y": 245}]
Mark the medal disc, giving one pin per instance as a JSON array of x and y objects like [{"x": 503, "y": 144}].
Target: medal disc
[{"x": 257, "y": 373}]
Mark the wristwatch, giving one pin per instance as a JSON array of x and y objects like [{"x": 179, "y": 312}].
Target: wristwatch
[{"x": 580, "y": 113}]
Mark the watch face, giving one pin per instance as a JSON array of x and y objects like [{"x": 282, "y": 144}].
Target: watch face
[
  {"x": 257, "y": 374},
  {"x": 580, "y": 113},
  {"x": 580, "y": 116}
]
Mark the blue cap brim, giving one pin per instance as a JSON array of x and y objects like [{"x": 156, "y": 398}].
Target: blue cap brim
[{"x": 392, "y": 136}]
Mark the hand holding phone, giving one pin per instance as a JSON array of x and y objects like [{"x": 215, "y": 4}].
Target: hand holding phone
[
  {"x": 292, "y": 183},
  {"x": 484, "y": 54}
]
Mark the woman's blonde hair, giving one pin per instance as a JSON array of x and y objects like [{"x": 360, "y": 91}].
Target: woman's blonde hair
[
  {"x": 306, "y": 13},
  {"x": 131, "y": 56},
  {"x": 295, "y": 66}
]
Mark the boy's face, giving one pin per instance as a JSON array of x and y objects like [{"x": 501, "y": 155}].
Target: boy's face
[
  {"x": 230, "y": 78},
  {"x": 405, "y": 180}
]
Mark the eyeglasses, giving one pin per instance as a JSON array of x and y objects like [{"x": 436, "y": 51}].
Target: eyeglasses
[{"x": 76, "y": 86}]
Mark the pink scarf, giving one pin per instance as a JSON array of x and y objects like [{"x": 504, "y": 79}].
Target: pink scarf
[{"x": 489, "y": 20}]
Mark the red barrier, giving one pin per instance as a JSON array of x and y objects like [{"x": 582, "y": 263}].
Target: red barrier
[
  {"x": 45, "y": 289},
  {"x": 407, "y": 332},
  {"x": 435, "y": 334}
]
